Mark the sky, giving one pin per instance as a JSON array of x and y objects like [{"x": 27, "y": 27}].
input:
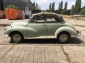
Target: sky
[{"x": 44, "y": 4}]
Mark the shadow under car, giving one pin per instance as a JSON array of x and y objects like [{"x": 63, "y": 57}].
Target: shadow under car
[{"x": 74, "y": 40}]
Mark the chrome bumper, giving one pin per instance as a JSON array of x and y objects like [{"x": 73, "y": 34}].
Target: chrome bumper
[
  {"x": 5, "y": 34},
  {"x": 78, "y": 34}
]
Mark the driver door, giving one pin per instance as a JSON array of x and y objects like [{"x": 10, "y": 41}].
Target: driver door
[{"x": 38, "y": 27}]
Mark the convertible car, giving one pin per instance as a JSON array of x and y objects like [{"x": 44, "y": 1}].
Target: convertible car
[{"x": 41, "y": 24}]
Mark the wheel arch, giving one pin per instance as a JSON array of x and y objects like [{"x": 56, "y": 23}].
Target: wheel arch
[
  {"x": 15, "y": 32},
  {"x": 65, "y": 29},
  {"x": 64, "y": 32}
]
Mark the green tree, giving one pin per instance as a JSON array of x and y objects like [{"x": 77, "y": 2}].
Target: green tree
[
  {"x": 50, "y": 7},
  {"x": 60, "y": 8},
  {"x": 61, "y": 5},
  {"x": 36, "y": 6},
  {"x": 33, "y": 6},
  {"x": 82, "y": 12},
  {"x": 72, "y": 10},
  {"x": 53, "y": 6},
  {"x": 12, "y": 6},
  {"x": 64, "y": 12},
  {"x": 65, "y": 7},
  {"x": 77, "y": 6}
]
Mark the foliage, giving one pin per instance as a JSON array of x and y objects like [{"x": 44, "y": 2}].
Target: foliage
[
  {"x": 64, "y": 12},
  {"x": 60, "y": 8},
  {"x": 12, "y": 6},
  {"x": 47, "y": 10},
  {"x": 65, "y": 7},
  {"x": 52, "y": 7},
  {"x": 72, "y": 10},
  {"x": 77, "y": 6},
  {"x": 36, "y": 6},
  {"x": 82, "y": 12},
  {"x": 61, "y": 5}
]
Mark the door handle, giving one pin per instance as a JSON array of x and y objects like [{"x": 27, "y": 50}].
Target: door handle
[{"x": 44, "y": 25}]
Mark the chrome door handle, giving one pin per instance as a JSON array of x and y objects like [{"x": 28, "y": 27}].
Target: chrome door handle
[{"x": 44, "y": 25}]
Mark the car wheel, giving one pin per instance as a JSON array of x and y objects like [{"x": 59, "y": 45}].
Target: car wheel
[
  {"x": 63, "y": 37},
  {"x": 16, "y": 38}
]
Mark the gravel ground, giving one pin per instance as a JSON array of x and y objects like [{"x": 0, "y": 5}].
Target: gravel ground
[{"x": 75, "y": 22}]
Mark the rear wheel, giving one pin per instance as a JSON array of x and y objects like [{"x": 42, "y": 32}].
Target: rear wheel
[
  {"x": 63, "y": 37},
  {"x": 16, "y": 37}
]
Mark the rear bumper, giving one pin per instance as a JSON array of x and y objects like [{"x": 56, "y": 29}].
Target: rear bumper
[{"x": 78, "y": 34}]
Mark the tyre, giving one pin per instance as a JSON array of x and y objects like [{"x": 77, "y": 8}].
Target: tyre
[
  {"x": 63, "y": 37},
  {"x": 16, "y": 37}
]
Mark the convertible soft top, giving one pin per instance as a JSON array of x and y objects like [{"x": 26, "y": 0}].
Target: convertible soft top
[{"x": 48, "y": 13}]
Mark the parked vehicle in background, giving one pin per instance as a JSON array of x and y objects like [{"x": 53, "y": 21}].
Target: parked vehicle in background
[{"x": 42, "y": 24}]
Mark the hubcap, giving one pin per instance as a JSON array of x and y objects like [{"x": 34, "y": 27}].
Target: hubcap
[
  {"x": 16, "y": 38},
  {"x": 63, "y": 38}
]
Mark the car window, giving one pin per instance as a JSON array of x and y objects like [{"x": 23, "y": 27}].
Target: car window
[
  {"x": 38, "y": 19},
  {"x": 52, "y": 19}
]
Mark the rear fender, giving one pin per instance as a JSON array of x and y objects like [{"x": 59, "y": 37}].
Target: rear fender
[{"x": 70, "y": 30}]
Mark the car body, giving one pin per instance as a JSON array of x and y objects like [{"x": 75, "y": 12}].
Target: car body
[{"x": 41, "y": 24}]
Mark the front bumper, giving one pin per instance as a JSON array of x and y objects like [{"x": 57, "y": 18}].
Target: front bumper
[
  {"x": 5, "y": 34},
  {"x": 79, "y": 33}
]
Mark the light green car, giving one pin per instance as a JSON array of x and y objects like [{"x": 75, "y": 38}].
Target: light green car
[{"x": 42, "y": 24}]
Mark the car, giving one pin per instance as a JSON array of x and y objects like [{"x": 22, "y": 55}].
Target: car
[{"x": 45, "y": 24}]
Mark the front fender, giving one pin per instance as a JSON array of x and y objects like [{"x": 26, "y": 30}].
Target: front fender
[
  {"x": 31, "y": 32},
  {"x": 70, "y": 30},
  {"x": 20, "y": 29}
]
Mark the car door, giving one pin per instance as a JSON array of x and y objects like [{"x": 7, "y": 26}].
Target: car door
[
  {"x": 37, "y": 26},
  {"x": 53, "y": 24}
]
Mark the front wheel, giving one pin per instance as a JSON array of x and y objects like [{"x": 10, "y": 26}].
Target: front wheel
[
  {"x": 63, "y": 37},
  {"x": 16, "y": 38}
]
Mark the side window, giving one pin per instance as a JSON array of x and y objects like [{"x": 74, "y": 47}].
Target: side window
[
  {"x": 52, "y": 19},
  {"x": 38, "y": 19}
]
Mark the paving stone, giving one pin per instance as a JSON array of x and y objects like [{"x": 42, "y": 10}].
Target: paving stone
[
  {"x": 75, "y": 53},
  {"x": 4, "y": 49},
  {"x": 35, "y": 54}
]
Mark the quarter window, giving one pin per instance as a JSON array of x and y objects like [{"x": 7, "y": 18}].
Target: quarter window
[{"x": 52, "y": 19}]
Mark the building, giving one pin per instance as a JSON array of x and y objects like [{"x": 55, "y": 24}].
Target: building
[
  {"x": 1, "y": 5},
  {"x": 25, "y": 5}
]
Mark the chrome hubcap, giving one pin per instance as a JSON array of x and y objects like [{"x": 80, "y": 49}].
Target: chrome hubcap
[
  {"x": 63, "y": 38},
  {"x": 16, "y": 38}
]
